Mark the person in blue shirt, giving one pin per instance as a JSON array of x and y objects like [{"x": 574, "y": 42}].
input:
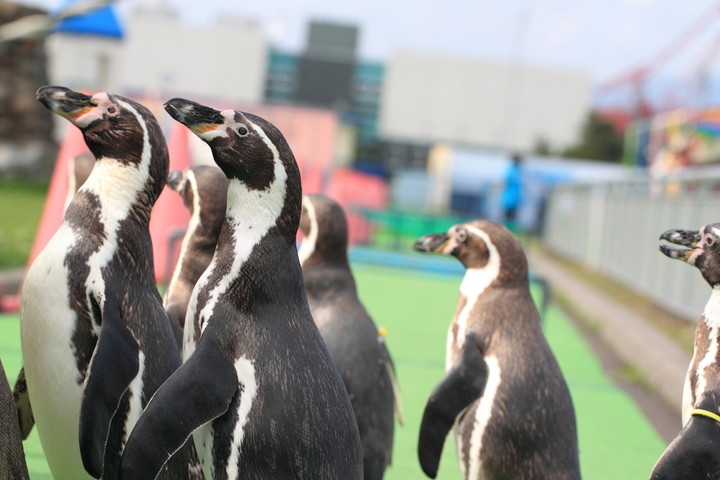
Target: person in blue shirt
[{"x": 512, "y": 194}]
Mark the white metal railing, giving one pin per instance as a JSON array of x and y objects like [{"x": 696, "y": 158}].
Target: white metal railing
[{"x": 614, "y": 229}]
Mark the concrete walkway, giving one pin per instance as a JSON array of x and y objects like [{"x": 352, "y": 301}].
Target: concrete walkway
[{"x": 661, "y": 362}]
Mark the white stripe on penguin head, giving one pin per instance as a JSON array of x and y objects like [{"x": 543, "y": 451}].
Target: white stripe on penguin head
[
  {"x": 117, "y": 185},
  {"x": 474, "y": 283},
  {"x": 307, "y": 247},
  {"x": 192, "y": 228},
  {"x": 251, "y": 214}
]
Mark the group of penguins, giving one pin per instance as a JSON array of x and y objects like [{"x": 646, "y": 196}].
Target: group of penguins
[{"x": 260, "y": 362}]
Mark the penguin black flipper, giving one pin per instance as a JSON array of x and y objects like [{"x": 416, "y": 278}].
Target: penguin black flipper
[
  {"x": 113, "y": 366},
  {"x": 462, "y": 385},
  {"x": 195, "y": 394},
  {"x": 22, "y": 403}
]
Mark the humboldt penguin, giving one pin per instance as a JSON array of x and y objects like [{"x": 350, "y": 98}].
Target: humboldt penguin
[
  {"x": 203, "y": 189},
  {"x": 12, "y": 456},
  {"x": 258, "y": 387},
  {"x": 694, "y": 453},
  {"x": 503, "y": 390},
  {"x": 96, "y": 341},
  {"x": 347, "y": 329},
  {"x": 79, "y": 169}
]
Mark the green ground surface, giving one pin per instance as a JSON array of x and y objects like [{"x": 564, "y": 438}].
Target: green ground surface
[
  {"x": 616, "y": 441},
  {"x": 22, "y": 203}
]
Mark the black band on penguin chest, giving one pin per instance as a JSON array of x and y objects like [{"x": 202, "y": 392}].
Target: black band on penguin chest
[
  {"x": 131, "y": 261},
  {"x": 266, "y": 277}
]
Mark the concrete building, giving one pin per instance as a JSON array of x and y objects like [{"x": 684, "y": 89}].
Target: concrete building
[
  {"x": 160, "y": 55},
  {"x": 328, "y": 74},
  {"x": 431, "y": 98},
  {"x": 227, "y": 61},
  {"x": 85, "y": 51}
]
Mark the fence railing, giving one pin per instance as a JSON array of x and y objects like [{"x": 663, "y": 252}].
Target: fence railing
[{"x": 614, "y": 229}]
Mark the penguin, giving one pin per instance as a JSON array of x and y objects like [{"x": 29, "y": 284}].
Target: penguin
[
  {"x": 503, "y": 390},
  {"x": 257, "y": 387},
  {"x": 203, "y": 189},
  {"x": 693, "y": 453},
  {"x": 96, "y": 342},
  {"x": 12, "y": 455},
  {"x": 79, "y": 169},
  {"x": 348, "y": 331}
]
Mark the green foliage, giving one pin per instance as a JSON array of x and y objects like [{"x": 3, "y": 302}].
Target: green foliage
[
  {"x": 542, "y": 147},
  {"x": 598, "y": 141},
  {"x": 22, "y": 204}
]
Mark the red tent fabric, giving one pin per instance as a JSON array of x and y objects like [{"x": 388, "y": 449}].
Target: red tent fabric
[
  {"x": 73, "y": 145},
  {"x": 170, "y": 217},
  {"x": 357, "y": 191}
]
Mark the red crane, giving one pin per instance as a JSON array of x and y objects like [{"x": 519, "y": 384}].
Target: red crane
[{"x": 637, "y": 76}]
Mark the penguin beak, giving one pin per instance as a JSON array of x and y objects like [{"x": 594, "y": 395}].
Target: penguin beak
[
  {"x": 690, "y": 239},
  {"x": 198, "y": 118},
  {"x": 432, "y": 243},
  {"x": 175, "y": 179},
  {"x": 65, "y": 102}
]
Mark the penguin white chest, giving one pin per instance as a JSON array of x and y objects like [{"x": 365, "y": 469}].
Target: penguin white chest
[
  {"x": 46, "y": 329},
  {"x": 475, "y": 282},
  {"x": 472, "y": 469},
  {"x": 706, "y": 359}
]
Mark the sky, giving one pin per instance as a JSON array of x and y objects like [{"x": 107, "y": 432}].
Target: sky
[{"x": 603, "y": 38}]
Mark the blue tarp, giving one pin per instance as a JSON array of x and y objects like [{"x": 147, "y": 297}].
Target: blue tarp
[{"x": 102, "y": 22}]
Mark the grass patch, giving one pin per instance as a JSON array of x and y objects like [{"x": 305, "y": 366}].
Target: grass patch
[{"x": 23, "y": 203}]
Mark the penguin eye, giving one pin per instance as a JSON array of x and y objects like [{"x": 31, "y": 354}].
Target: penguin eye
[
  {"x": 242, "y": 130},
  {"x": 111, "y": 110},
  {"x": 709, "y": 241},
  {"x": 461, "y": 236}
]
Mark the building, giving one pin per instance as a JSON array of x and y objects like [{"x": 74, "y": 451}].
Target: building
[
  {"x": 328, "y": 74},
  {"x": 157, "y": 54},
  {"x": 432, "y": 98}
]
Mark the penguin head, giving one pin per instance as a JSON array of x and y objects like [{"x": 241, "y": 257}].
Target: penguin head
[
  {"x": 250, "y": 151},
  {"x": 479, "y": 244},
  {"x": 324, "y": 228},
  {"x": 113, "y": 127},
  {"x": 106, "y": 121},
  {"x": 701, "y": 248},
  {"x": 202, "y": 187}
]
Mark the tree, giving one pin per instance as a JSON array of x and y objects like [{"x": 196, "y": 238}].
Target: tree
[
  {"x": 542, "y": 147},
  {"x": 599, "y": 140}
]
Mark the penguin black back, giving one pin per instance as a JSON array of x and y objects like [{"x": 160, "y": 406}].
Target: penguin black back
[
  {"x": 203, "y": 189},
  {"x": 258, "y": 389},
  {"x": 347, "y": 329},
  {"x": 96, "y": 341},
  {"x": 693, "y": 453},
  {"x": 503, "y": 390}
]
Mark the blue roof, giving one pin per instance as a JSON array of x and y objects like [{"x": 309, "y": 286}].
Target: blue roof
[{"x": 102, "y": 22}]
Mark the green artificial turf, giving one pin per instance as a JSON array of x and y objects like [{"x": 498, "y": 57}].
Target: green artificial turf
[
  {"x": 616, "y": 441},
  {"x": 12, "y": 361},
  {"x": 22, "y": 202}
]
